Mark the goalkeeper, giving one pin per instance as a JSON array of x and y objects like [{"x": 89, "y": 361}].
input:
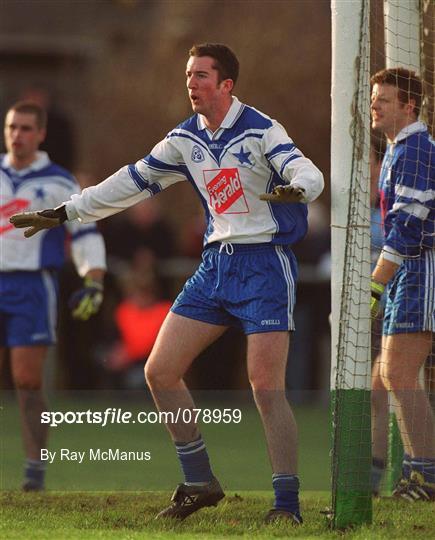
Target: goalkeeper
[
  {"x": 28, "y": 268},
  {"x": 405, "y": 269},
  {"x": 230, "y": 153}
]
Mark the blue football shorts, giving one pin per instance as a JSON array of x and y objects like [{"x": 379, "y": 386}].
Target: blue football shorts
[
  {"x": 28, "y": 308},
  {"x": 410, "y": 298},
  {"x": 248, "y": 286}
]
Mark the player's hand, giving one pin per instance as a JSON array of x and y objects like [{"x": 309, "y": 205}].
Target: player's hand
[
  {"x": 34, "y": 222},
  {"x": 284, "y": 194},
  {"x": 377, "y": 290},
  {"x": 86, "y": 301}
]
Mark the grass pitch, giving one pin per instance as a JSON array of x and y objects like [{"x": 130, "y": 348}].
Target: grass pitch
[
  {"x": 107, "y": 499},
  {"x": 130, "y": 515}
]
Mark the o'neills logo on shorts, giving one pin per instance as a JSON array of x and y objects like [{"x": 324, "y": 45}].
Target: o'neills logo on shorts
[
  {"x": 226, "y": 191},
  {"x": 270, "y": 322}
]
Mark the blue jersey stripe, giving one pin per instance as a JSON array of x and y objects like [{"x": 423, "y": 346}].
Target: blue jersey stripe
[
  {"x": 287, "y": 161},
  {"x": 158, "y": 165},
  {"x": 20, "y": 183},
  {"x": 280, "y": 149},
  {"x": 137, "y": 178},
  {"x": 195, "y": 139}
]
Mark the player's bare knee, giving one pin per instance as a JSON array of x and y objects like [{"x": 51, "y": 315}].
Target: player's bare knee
[
  {"x": 268, "y": 398},
  {"x": 264, "y": 380},
  {"x": 397, "y": 377},
  {"x": 157, "y": 379},
  {"x": 151, "y": 374}
]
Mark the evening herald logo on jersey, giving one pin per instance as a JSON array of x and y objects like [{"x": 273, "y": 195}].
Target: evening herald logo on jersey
[
  {"x": 197, "y": 155},
  {"x": 9, "y": 209},
  {"x": 226, "y": 191}
]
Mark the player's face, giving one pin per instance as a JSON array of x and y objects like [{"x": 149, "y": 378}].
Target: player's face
[
  {"x": 22, "y": 135},
  {"x": 205, "y": 93},
  {"x": 389, "y": 115}
]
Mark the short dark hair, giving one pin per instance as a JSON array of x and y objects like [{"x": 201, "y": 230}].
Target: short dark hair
[
  {"x": 29, "y": 107},
  {"x": 226, "y": 62},
  {"x": 408, "y": 83}
]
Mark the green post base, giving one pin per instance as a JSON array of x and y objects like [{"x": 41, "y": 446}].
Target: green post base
[
  {"x": 395, "y": 455},
  {"x": 351, "y": 459}
]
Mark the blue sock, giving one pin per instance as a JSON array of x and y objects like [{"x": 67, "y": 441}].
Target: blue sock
[
  {"x": 194, "y": 461},
  {"x": 286, "y": 487},
  {"x": 34, "y": 472},
  {"x": 406, "y": 466},
  {"x": 425, "y": 466}
]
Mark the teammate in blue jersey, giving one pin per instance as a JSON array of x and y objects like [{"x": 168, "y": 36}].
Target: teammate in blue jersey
[
  {"x": 230, "y": 153},
  {"x": 28, "y": 280},
  {"x": 406, "y": 269}
]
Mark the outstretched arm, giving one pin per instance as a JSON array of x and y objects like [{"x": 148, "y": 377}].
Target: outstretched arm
[
  {"x": 123, "y": 189},
  {"x": 111, "y": 196}
]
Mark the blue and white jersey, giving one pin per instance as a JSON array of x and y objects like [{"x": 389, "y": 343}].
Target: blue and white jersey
[
  {"x": 248, "y": 155},
  {"x": 42, "y": 185},
  {"x": 407, "y": 190}
]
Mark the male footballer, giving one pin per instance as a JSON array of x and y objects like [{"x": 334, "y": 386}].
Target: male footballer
[
  {"x": 254, "y": 184},
  {"x": 405, "y": 270},
  {"x": 29, "y": 180}
]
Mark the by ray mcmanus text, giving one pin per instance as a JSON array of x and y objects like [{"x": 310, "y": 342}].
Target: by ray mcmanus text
[{"x": 94, "y": 454}]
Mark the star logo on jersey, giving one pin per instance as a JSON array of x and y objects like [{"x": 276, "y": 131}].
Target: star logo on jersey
[
  {"x": 243, "y": 157},
  {"x": 197, "y": 154},
  {"x": 39, "y": 193}
]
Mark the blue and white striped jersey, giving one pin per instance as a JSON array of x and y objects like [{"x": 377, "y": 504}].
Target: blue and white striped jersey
[
  {"x": 248, "y": 155},
  {"x": 42, "y": 185},
  {"x": 407, "y": 190}
]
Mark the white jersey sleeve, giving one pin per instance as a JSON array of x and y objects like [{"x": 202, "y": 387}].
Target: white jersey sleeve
[
  {"x": 88, "y": 250},
  {"x": 289, "y": 162},
  {"x": 128, "y": 186}
]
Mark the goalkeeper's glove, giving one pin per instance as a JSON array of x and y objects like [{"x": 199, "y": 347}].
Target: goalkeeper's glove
[
  {"x": 86, "y": 301},
  {"x": 284, "y": 194},
  {"x": 37, "y": 221},
  {"x": 377, "y": 290}
]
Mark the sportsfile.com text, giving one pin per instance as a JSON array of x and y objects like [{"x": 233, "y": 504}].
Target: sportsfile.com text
[{"x": 113, "y": 415}]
